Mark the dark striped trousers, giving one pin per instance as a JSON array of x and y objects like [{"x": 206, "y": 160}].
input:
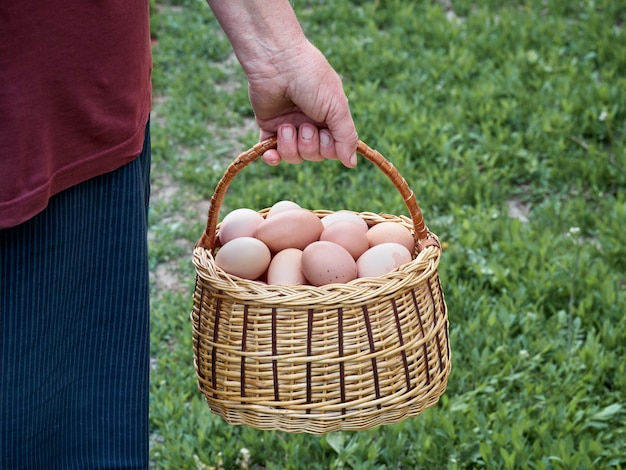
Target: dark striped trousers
[{"x": 74, "y": 328}]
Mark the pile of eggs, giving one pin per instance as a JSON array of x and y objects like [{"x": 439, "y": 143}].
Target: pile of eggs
[{"x": 294, "y": 246}]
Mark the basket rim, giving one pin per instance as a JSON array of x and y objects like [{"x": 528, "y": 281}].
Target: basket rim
[{"x": 355, "y": 292}]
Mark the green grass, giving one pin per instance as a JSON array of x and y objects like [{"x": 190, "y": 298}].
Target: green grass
[{"x": 493, "y": 105}]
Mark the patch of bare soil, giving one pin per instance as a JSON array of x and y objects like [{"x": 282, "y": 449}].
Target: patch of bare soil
[{"x": 518, "y": 210}]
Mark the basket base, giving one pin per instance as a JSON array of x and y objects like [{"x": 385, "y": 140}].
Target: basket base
[{"x": 275, "y": 419}]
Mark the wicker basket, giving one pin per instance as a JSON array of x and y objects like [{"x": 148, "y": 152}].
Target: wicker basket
[{"x": 350, "y": 356}]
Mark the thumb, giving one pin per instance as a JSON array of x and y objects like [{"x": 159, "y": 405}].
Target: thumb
[{"x": 343, "y": 131}]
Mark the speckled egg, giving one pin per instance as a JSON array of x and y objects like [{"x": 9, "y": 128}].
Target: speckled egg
[{"x": 325, "y": 262}]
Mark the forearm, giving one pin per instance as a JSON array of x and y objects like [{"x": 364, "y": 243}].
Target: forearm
[{"x": 259, "y": 30}]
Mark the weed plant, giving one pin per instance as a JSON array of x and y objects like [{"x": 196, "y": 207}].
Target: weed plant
[{"x": 508, "y": 120}]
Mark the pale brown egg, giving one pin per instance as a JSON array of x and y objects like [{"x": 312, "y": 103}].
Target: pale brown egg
[
  {"x": 245, "y": 257},
  {"x": 282, "y": 206},
  {"x": 325, "y": 262},
  {"x": 345, "y": 216},
  {"x": 241, "y": 222},
  {"x": 381, "y": 259},
  {"x": 391, "y": 232},
  {"x": 347, "y": 234},
  {"x": 294, "y": 228},
  {"x": 286, "y": 268}
]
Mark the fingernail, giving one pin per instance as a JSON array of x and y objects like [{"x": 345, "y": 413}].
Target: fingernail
[
  {"x": 271, "y": 158},
  {"x": 324, "y": 138},
  {"x": 286, "y": 132},
  {"x": 306, "y": 132},
  {"x": 352, "y": 160}
]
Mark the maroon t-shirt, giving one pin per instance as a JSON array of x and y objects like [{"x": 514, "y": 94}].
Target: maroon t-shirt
[{"x": 75, "y": 95}]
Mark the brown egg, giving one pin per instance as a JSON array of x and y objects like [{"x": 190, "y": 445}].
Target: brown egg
[
  {"x": 281, "y": 206},
  {"x": 381, "y": 259},
  {"x": 286, "y": 268},
  {"x": 347, "y": 234},
  {"x": 345, "y": 216},
  {"x": 391, "y": 232},
  {"x": 325, "y": 262},
  {"x": 294, "y": 228},
  {"x": 241, "y": 222},
  {"x": 245, "y": 257}
]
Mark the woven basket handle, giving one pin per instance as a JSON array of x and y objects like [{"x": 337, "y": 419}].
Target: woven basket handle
[{"x": 244, "y": 159}]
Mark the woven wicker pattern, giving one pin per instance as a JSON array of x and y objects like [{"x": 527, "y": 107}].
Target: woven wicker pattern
[{"x": 347, "y": 356}]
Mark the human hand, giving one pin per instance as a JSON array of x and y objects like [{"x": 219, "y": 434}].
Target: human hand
[
  {"x": 299, "y": 98},
  {"x": 295, "y": 93}
]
